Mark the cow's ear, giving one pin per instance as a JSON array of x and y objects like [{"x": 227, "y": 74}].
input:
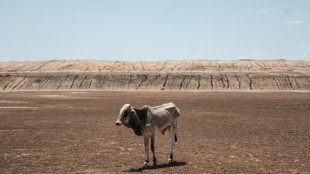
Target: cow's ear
[
  {"x": 133, "y": 112},
  {"x": 129, "y": 107}
]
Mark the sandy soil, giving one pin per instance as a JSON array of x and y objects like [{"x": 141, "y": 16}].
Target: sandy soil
[
  {"x": 74, "y": 132},
  {"x": 75, "y": 66}
]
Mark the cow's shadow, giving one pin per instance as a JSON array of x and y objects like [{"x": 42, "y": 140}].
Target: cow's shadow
[{"x": 173, "y": 164}]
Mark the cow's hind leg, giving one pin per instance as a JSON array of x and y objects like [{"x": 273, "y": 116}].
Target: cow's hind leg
[
  {"x": 146, "y": 145},
  {"x": 163, "y": 132},
  {"x": 153, "y": 149},
  {"x": 172, "y": 140}
]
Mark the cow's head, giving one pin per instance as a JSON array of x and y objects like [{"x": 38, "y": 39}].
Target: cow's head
[{"x": 125, "y": 116}]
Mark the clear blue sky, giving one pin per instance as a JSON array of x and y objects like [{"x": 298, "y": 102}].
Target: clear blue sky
[{"x": 154, "y": 30}]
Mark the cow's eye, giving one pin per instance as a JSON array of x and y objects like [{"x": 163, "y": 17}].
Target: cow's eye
[{"x": 125, "y": 113}]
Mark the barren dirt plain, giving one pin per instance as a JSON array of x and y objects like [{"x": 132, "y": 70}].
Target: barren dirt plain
[{"x": 219, "y": 132}]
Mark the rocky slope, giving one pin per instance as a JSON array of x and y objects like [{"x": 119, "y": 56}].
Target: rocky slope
[{"x": 162, "y": 75}]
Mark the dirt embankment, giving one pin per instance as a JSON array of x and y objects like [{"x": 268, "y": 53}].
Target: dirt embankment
[{"x": 163, "y": 75}]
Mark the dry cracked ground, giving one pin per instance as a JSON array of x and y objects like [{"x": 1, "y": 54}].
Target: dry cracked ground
[{"x": 218, "y": 132}]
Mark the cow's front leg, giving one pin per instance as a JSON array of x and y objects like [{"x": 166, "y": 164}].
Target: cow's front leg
[
  {"x": 153, "y": 149},
  {"x": 146, "y": 145}
]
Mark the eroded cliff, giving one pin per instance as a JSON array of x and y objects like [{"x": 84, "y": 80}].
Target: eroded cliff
[{"x": 165, "y": 75}]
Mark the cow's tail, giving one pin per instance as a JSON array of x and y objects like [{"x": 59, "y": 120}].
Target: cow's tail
[
  {"x": 175, "y": 137},
  {"x": 176, "y": 129},
  {"x": 178, "y": 111},
  {"x": 178, "y": 114}
]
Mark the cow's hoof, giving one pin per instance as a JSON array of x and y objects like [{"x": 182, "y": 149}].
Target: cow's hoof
[
  {"x": 154, "y": 164},
  {"x": 170, "y": 161},
  {"x": 144, "y": 164}
]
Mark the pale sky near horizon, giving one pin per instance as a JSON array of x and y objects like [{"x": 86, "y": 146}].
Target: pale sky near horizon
[{"x": 154, "y": 30}]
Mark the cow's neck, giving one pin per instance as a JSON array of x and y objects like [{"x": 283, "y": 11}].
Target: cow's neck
[
  {"x": 138, "y": 121},
  {"x": 141, "y": 115}
]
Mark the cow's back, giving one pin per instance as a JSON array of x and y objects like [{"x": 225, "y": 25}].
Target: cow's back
[{"x": 163, "y": 115}]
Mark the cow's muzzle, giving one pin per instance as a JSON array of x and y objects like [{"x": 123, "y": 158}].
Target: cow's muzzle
[{"x": 118, "y": 123}]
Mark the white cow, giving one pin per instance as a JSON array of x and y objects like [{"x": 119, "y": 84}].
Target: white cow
[{"x": 147, "y": 120}]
